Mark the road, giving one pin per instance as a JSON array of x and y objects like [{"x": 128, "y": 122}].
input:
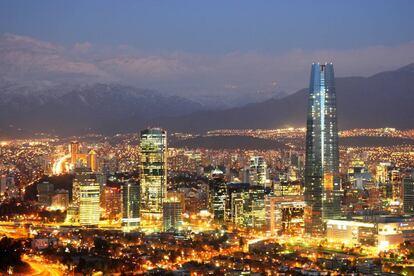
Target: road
[
  {"x": 41, "y": 268},
  {"x": 13, "y": 232}
]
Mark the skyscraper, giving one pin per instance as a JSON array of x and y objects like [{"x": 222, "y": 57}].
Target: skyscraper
[
  {"x": 153, "y": 172},
  {"x": 89, "y": 205},
  {"x": 258, "y": 171},
  {"x": 257, "y": 218},
  {"x": 74, "y": 151},
  {"x": 408, "y": 194},
  {"x": 92, "y": 162},
  {"x": 81, "y": 175},
  {"x": 217, "y": 195},
  {"x": 130, "y": 206},
  {"x": 45, "y": 191},
  {"x": 322, "y": 187},
  {"x": 112, "y": 202},
  {"x": 60, "y": 200},
  {"x": 172, "y": 213}
]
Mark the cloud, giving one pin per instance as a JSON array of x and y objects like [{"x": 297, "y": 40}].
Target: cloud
[
  {"x": 234, "y": 78},
  {"x": 25, "y": 42},
  {"x": 24, "y": 58},
  {"x": 82, "y": 47}
]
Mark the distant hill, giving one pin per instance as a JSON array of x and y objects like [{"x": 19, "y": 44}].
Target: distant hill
[
  {"x": 384, "y": 99},
  {"x": 75, "y": 109},
  {"x": 228, "y": 142},
  {"x": 251, "y": 143}
]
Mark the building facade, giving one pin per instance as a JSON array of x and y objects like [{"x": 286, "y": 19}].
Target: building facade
[
  {"x": 258, "y": 171},
  {"x": 153, "y": 174},
  {"x": 172, "y": 214},
  {"x": 45, "y": 191},
  {"x": 322, "y": 187},
  {"x": 60, "y": 199},
  {"x": 89, "y": 203},
  {"x": 408, "y": 195},
  {"x": 217, "y": 195},
  {"x": 111, "y": 202},
  {"x": 130, "y": 206}
]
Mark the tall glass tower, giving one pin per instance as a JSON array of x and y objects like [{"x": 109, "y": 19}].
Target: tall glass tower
[
  {"x": 258, "y": 171},
  {"x": 130, "y": 206},
  {"x": 322, "y": 187},
  {"x": 153, "y": 174}
]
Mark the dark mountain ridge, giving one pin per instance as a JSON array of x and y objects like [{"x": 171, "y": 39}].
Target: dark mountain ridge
[
  {"x": 382, "y": 100},
  {"x": 101, "y": 108}
]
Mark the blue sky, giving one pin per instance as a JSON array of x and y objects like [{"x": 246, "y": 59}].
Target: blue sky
[
  {"x": 200, "y": 49},
  {"x": 214, "y": 26}
]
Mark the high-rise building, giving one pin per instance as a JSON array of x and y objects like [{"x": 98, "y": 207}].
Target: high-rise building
[
  {"x": 408, "y": 194},
  {"x": 245, "y": 205},
  {"x": 322, "y": 187},
  {"x": 60, "y": 200},
  {"x": 8, "y": 188},
  {"x": 111, "y": 202},
  {"x": 81, "y": 175},
  {"x": 358, "y": 174},
  {"x": 92, "y": 162},
  {"x": 130, "y": 206},
  {"x": 45, "y": 191},
  {"x": 217, "y": 195},
  {"x": 284, "y": 213},
  {"x": 237, "y": 203},
  {"x": 153, "y": 172},
  {"x": 74, "y": 150},
  {"x": 382, "y": 172},
  {"x": 172, "y": 213},
  {"x": 89, "y": 203},
  {"x": 257, "y": 217},
  {"x": 258, "y": 171}
]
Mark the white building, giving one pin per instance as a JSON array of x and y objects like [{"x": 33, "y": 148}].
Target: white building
[{"x": 89, "y": 209}]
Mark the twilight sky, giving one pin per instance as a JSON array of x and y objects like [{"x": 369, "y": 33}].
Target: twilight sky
[{"x": 244, "y": 50}]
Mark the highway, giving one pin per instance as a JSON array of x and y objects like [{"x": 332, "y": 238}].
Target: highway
[{"x": 41, "y": 268}]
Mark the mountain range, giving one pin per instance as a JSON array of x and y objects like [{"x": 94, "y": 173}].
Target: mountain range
[
  {"x": 382, "y": 100},
  {"x": 75, "y": 109}
]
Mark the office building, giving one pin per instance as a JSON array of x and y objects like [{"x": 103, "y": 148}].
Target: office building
[
  {"x": 285, "y": 213},
  {"x": 81, "y": 175},
  {"x": 322, "y": 187},
  {"x": 111, "y": 202},
  {"x": 217, "y": 195},
  {"x": 153, "y": 172},
  {"x": 89, "y": 202},
  {"x": 45, "y": 192},
  {"x": 8, "y": 188},
  {"x": 358, "y": 174},
  {"x": 60, "y": 199},
  {"x": 408, "y": 194},
  {"x": 130, "y": 206},
  {"x": 172, "y": 213},
  {"x": 74, "y": 150},
  {"x": 92, "y": 161},
  {"x": 237, "y": 201},
  {"x": 257, "y": 210},
  {"x": 258, "y": 171}
]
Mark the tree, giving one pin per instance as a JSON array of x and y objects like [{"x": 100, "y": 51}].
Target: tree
[{"x": 10, "y": 253}]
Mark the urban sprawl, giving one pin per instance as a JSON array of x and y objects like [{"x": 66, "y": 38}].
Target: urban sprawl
[{"x": 132, "y": 204}]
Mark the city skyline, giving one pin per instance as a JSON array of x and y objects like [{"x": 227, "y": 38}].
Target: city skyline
[{"x": 177, "y": 138}]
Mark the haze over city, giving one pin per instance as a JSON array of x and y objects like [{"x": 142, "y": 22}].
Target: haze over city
[
  {"x": 206, "y": 138},
  {"x": 240, "y": 52}
]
